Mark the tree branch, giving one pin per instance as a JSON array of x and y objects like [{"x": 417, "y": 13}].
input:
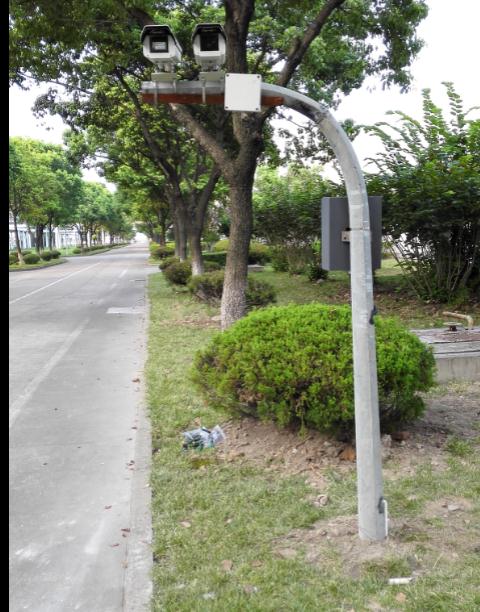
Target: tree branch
[
  {"x": 205, "y": 139},
  {"x": 152, "y": 145}
]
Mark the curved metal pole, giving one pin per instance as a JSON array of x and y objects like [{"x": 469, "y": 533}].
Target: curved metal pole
[{"x": 372, "y": 524}]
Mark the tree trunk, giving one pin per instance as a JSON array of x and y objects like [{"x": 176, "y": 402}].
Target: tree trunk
[
  {"x": 17, "y": 241},
  {"x": 33, "y": 241},
  {"x": 195, "y": 243},
  {"x": 198, "y": 209},
  {"x": 181, "y": 228},
  {"x": 233, "y": 305},
  {"x": 83, "y": 239},
  {"x": 50, "y": 235},
  {"x": 39, "y": 237}
]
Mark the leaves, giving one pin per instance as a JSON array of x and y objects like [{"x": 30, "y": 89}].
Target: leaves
[{"x": 429, "y": 175}]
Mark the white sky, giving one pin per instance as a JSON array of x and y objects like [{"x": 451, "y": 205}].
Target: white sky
[{"x": 451, "y": 53}]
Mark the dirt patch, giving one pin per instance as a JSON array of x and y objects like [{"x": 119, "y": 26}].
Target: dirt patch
[
  {"x": 336, "y": 540},
  {"x": 446, "y": 526},
  {"x": 453, "y": 413}
]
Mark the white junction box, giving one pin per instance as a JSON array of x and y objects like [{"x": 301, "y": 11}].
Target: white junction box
[{"x": 243, "y": 92}]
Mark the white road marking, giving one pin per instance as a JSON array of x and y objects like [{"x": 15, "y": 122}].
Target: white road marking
[
  {"x": 54, "y": 283},
  {"x": 93, "y": 543},
  {"x": 126, "y": 310},
  {"x": 32, "y": 386},
  {"x": 113, "y": 285},
  {"x": 122, "y": 273}
]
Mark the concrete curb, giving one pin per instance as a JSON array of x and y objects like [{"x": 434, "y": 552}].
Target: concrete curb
[{"x": 139, "y": 557}]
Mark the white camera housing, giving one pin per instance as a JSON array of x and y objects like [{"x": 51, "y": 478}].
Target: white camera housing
[
  {"x": 209, "y": 45},
  {"x": 161, "y": 47}
]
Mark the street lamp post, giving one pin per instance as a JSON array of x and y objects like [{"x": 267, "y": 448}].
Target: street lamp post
[{"x": 372, "y": 508}]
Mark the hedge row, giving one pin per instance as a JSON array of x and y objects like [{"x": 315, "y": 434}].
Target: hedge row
[{"x": 31, "y": 257}]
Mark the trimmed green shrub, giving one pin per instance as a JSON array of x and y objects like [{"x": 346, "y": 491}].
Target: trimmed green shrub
[
  {"x": 179, "y": 272},
  {"x": 259, "y": 293},
  {"x": 13, "y": 257},
  {"x": 160, "y": 252},
  {"x": 76, "y": 250},
  {"x": 221, "y": 245},
  {"x": 279, "y": 259},
  {"x": 55, "y": 254},
  {"x": 315, "y": 272},
  {"x": 46, "y": 255},
  {"x": 167, "y": 261},
  {"x": 208, "y": 287},
  {"x": 211, "y": 266},
  {"x": 294, "y": 364},
  {"x": 31, "y": 258},
  {"x": 219, "y": 257},
  {"x": 258, "y": 253}
]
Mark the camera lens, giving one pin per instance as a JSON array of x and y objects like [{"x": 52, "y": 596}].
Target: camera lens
[
  {"x": 209, "y": 41},
  {"x": 159, "y": 43}
]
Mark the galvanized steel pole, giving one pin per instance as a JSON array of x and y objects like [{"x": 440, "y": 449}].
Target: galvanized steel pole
[{"x": 372, "y": 519}]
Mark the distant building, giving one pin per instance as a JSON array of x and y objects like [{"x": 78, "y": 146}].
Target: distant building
[{"x": 63, "y": 237}]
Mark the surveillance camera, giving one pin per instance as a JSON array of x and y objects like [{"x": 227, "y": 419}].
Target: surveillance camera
[
  {"x": 209, "y": 45},
  {"x": 161, "y": 47}
]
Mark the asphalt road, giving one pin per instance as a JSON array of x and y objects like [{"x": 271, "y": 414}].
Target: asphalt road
[{"x": 79, "y": 441}]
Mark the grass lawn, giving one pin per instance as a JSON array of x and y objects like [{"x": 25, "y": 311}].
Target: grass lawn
[{"x": 233, "y": 534}]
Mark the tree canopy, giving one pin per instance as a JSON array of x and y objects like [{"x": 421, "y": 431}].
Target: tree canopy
[{"x": 324, "y": 48}]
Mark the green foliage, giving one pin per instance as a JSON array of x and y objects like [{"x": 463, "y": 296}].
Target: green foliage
[
  {"x": 178, "y": 273},
  {"x": 44, "y": 186},
  {"x": 294, "y": 364},
  {"x": 31, "y": 258},
  {"x": 287, "y": 208},
  {"x": 299, "y": 258},
  {"x": 211, "y": 266},
  {"x": 161, "y": 252},
  {"x": 168, "y": 261},
  {"x": 221, "y": 246},
  {"x": 208, "y": 287},
  {"x": 458, "y": 447},
  {"x": 219, "y": 257},
  {"x": 429, "y": 177},
  {"x": 46, "y": 255},
  {"x": 279, "y": 259},
  {"x": 76, "y": 251},
  {"x": 55, "y": 254},
  {"x": 259, "y": 293},
  {"x": 315, "y": 272},
  {"x": 13, "y": 257},
  {"x": 258, "y": 253}
]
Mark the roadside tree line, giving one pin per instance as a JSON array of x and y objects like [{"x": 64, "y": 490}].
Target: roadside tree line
[{"x": 46, "y": 190}]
